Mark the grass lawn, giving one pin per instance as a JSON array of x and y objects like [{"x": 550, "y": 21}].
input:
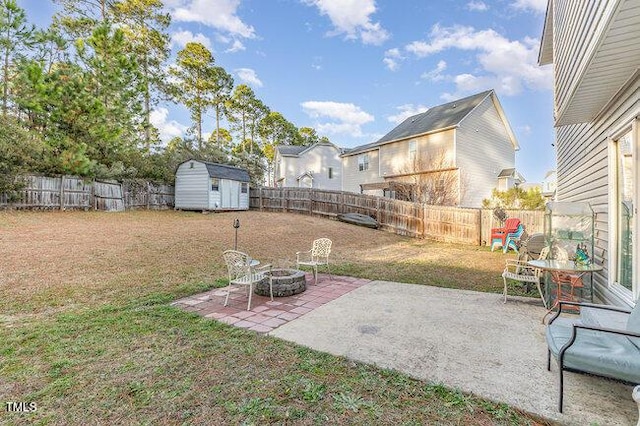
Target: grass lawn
[{"x": 89, "y": 336}]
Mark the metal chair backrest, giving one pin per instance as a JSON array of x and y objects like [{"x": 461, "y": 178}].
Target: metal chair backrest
[
  {"x": 321, "y": 249},
  {"x": 237, "y": 263}
]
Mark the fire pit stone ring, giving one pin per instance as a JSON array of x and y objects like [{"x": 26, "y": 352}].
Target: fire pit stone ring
[{"x": 286, "y": 282}]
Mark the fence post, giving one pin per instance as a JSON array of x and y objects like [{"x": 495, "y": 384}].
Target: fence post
[
  {"x": 260, "y": 199},
  {"x": 479, "y": 227},
  {"x": 148, "y": 194},
  {"x": 424, "y": 221},
  {"x": 311, "y": 201},
  {"x": 62, "y": 193},
  {"x": 92, "y": 196}
]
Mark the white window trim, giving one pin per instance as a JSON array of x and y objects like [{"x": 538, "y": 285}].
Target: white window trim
[{"x": 623, "y": 293}]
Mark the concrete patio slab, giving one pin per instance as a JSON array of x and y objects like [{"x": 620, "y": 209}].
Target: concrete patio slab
[{"x": 462, "y": 339}]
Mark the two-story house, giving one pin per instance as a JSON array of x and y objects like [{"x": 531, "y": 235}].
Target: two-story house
[
  {"x": 452, "y": 154},
  {"x": 593, "y": 46},
  {"x": 315, "y": 166}
]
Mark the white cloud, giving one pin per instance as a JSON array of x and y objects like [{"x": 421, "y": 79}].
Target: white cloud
[
  {"x": 218, "y": 14},
  {"x": 507, "y": 65},
  {"x": 248, "y": 76},
  {"x": 477, "y": 6},
  {"x": 536, "y": 6},
  {"x": 236, "y": 46},
  {"x": 436, "y": 73},
  {"x": 168, "y": 129},
  {"x": 405, "y": 111},
  {"x": 353, "y": 18},
  {"x": 392, "y": 58},
  {"x": 181, "y": 38},
  {"x": 339, "y": 118}
]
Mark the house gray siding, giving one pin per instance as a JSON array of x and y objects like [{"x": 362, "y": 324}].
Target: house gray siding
[
  {"x": 483, "y": 149},
  {"x": 583, "y": 174},
  {"x": 192, "y": 186}
]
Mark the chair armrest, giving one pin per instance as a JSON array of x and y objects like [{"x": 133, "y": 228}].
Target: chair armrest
[
  {"x": 576, "y": 327},
  {"x": 588, "y": 305},
  {"x": 596, "y": 306}
]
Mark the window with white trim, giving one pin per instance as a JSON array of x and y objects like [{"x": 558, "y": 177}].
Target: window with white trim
[
  {"x": 363, "y": 162},
  {"x": 215, "y": 184}
]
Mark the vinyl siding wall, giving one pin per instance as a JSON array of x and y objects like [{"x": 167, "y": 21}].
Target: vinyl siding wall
[
  {"x": 583, "y": 174},
  {"x": 352, "y": 177},
  {"x": 285, "y": 167},
  {"x": 394, "y": 157},
  {"x": 483, "y": 149},
  {"x": 192, "y": 186},
  {"x": 317, "y": 160},
  {"x": 583, "y": 22}
]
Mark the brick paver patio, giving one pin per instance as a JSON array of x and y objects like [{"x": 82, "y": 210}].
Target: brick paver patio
[{"x": 266, "y": 315}]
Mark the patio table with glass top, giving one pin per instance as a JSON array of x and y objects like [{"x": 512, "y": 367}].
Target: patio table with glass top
[{"x": 560, "y": 270}]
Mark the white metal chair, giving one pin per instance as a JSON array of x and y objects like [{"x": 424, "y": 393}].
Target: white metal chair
[
  {"x": 243, "y": 271},
  {"x": 521, "y": 271},
  {"x": 317, "y": 256}
]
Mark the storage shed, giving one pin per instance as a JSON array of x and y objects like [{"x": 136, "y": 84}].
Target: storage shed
[{"x": 201, "y": 185}]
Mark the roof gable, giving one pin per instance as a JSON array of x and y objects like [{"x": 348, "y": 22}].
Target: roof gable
[
  {"x": 438, "y": 118},
  {"x": 298, "y": 150},
  {"x": 290, "y": 150}
]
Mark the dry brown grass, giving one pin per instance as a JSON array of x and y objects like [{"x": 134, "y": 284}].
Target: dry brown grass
[{"x": 52, "y": 260}]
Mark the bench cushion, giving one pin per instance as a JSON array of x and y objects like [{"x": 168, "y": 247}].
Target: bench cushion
[{"x": 598, "y": 353}]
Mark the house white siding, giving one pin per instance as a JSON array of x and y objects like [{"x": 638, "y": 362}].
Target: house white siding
[
  {"x": 483, "y": 149},
  {"x": 583, "y": 175},
  {"x": 317, "y": 160},
  {"x": 192, "y": 186},
  {"x": 353, "y": 177}
]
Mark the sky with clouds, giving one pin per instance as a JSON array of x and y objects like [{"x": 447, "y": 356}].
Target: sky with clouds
[{"x": 353, "y": 69}]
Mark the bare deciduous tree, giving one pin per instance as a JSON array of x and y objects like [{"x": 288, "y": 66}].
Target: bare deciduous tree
[{"x": 431, "y": 180}]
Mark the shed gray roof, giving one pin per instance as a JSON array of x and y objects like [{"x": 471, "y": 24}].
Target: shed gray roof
[
  {"x": 224, "y": 171},
  {"x": 436, "y": 118}
]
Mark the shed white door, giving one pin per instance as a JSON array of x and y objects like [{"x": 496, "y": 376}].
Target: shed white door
[{"x": 230, "y": 194}]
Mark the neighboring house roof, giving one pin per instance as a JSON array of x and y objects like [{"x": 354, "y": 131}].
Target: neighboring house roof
[
  {"x": 438, "y": 118},
  {"x": 290, "y": 150},
  {"x": 224, "y": 171},
  {"x": 298, "y": 150}
]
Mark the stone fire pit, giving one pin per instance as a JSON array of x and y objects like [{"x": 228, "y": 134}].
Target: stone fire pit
[{"x": 286, "y": 282}]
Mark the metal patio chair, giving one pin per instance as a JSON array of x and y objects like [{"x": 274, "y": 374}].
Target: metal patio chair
[
  {"x": 244, "y": 271},
  {"x": 317, "y": 256}
]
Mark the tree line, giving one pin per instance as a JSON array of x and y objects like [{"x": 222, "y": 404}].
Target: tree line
[{"x": 77, "y": 98}]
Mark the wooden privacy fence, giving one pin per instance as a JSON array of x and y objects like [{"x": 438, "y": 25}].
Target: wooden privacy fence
[
  {"x": 449, "y": 224},
  {"x": 72, "y": 193}
]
